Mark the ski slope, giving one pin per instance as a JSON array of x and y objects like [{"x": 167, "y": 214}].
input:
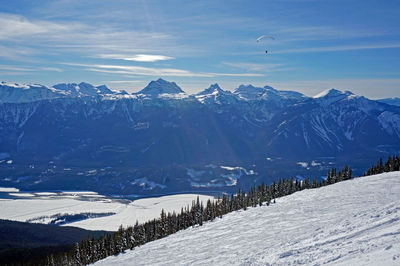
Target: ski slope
[{"x": 356, "y": 222}]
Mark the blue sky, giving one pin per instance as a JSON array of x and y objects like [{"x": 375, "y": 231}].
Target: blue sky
[{"x": 347, "y": 45}]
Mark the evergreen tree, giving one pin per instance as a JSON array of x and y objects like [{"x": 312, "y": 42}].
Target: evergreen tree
[{"x": 77, "y": 255}]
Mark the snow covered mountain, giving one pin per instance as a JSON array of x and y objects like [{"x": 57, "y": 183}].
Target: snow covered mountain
[
  {"x": 161, "y": 86},
  {"x": 172, "y": 141},
  {"x": 328, "y": 97},
  {"x": 215, "y": 95},
  {"x": 267, "y": 93},
  {"x": 18, "y": 93},
  {"x": 391, "y": 101},
  {"x": 82, "y": 89},
  {"x": 356, "y": 222}
]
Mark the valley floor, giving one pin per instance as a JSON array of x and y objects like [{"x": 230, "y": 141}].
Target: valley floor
[
  {"x": 356, "y": 222},
  {"x": 44, "y": 207}
]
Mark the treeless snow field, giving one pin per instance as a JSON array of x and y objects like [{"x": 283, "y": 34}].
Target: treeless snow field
[
  {"x": 141, "y": 210},
  {"x": 356, "y": 222},
  {"x": 42, "y": 205}
]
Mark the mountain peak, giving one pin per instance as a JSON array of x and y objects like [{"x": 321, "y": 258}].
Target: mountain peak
[
  {"x": 161, "y": 86},
  {"x": 215, "y": 86},
  {"x": 328, "y": 97},
  {"x": 332, "y": 93},
  {"x": 103, "y": 89},
  {"x": 65, "y": 86},
  {"x": 249, "y": 92},
  {"x": 269, "y": 88},
  {"x": 85, "y": 84},
  {"x": 213, "y": 89}
]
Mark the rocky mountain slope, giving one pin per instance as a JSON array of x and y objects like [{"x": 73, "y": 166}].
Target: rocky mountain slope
[{"x": 90, "y": 137}]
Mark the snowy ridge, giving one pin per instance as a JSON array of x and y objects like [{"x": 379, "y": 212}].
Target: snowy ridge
[
  {"x": 355, "y": 222},
  {"x": 82, "y": 89},
  {"x": 328, "y": 97},
  {"x": 392, "y": 101},
  {"x": 23, "y": 93},
  {"x": 17, "y": 93},
  {"x": 249, "y": 92}
]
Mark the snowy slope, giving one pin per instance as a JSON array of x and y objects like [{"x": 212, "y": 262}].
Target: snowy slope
[
  {"x": 40, "y": 206},
  {"x": 142, "y": 210},
  {"x": 356, "y": 222}
]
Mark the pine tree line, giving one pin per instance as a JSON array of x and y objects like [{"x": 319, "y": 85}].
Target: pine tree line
[
  {"x": 391, "y": 164},
  {"x": 91, "y": 250}
]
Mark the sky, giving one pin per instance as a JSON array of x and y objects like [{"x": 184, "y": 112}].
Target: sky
[{"x": 347, "y": 45}]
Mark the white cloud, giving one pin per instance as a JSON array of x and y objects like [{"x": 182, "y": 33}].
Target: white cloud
[
  {"x": 150, "y": 71},
  {"x": 137, "y": 57}
]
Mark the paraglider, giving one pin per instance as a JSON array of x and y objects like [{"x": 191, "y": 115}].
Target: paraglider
[{"x": 263, "y": 37}]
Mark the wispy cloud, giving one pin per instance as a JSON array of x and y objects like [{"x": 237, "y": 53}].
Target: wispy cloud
[
  {"x": 28, "y": 68},
  {"x": 15, "y": 73},
  {"x": 129, "y": 85},
  {"x": 235, "y": 74},
  {"x": 16, "y": 26},
  {"x": 14, "y": 68},
  {"x": 256, "y": 66},
  {"x": 110, "y": 41},
  {"x": 137, "y": 57},
  {"x": 16, "y": 52},
  {"x": 310, "y": 33},
  {"x": 368, "y": 86},
  {"x": 150, "y": 71},
  {"x": 337, "y": 48},
  {"x": 124, "y": 81},
  {"x": 56, "y": 69}
]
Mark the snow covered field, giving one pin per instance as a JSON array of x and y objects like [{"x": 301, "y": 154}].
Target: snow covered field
[
  {"x": 356, "y": 222},
  {"x": 40, "y": 206}
]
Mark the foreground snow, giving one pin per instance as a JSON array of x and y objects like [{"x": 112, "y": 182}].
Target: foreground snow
[
  {"x": 39, "y": 207},
  {"x": 356, "y": 222}
]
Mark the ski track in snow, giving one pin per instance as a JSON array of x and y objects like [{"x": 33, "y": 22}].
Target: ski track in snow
[{"x": 356, "y": 222}]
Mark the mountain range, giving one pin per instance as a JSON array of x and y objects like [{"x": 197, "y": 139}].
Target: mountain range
[{"x": 162, "y": 140}]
